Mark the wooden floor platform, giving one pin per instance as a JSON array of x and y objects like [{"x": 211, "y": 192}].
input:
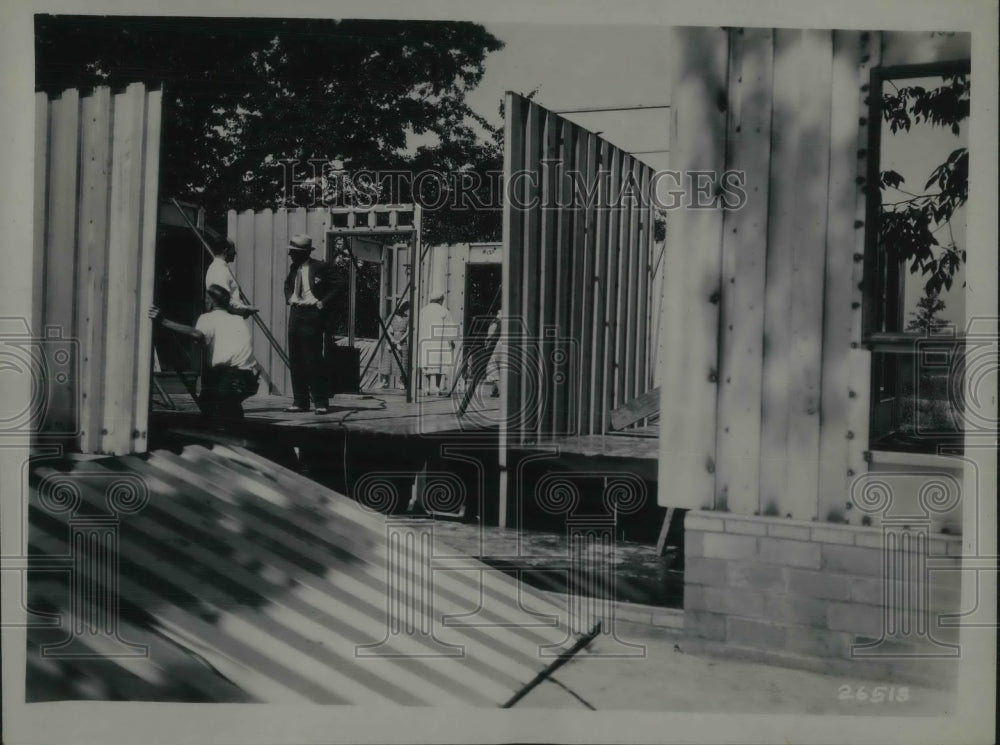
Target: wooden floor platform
[
  {"x": 632, "y": 452},
  {"x": 383, "y": 412}
]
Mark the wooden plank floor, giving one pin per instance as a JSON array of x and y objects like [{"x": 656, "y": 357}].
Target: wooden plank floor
[
  {"x": 616, "y": 446},
  {"x": 628, "y": 453},
  {"x": 382, "y": 412}
]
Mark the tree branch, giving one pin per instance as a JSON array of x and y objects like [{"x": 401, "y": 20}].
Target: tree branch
[{"x": 909, "y": 201}]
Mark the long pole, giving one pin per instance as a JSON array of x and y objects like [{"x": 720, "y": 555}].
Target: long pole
[
  {"x": 352, "y": 292},
  {"x": 416, "y": 259},
  {"x": 558, "y": 662},
  {"x": 639, "y": 107},
  {"x": 243, "y": 297}
]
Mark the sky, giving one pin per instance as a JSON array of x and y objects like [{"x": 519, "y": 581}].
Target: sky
[
  {"x": 588, "y": 66},
  {"x": 577, "y": 67}
]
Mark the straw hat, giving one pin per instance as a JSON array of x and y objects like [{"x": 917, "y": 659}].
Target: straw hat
[{"x": 300, "y": 243}]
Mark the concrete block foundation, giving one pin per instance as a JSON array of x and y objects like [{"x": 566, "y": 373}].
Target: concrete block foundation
[{"x": 852, "y": 600}]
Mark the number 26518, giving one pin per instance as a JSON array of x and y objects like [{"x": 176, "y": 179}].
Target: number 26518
[{"x": 874, "y": 694}]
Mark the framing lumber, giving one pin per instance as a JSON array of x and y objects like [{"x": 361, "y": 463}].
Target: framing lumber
[
  {"x": 661, "y": 541},
  {"x": 642, "y": 406}
]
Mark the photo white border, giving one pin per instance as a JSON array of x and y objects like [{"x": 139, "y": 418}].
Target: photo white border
[{"x": 154, "y": 723}]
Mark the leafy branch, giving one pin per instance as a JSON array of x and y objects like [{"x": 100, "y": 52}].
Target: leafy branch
[{"x": 907, "y": 227}]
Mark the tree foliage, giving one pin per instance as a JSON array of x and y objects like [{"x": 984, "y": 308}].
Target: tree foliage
[
  {"x": 241, "y": 95},
  {"x": 912, "y": 230},
  {"x": 925, "y": 318}
]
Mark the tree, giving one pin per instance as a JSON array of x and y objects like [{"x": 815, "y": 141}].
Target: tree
[
  {"x": 925, "y": 318},
  {"x": 909, "y": 228},
  {"x": 244, "y": 95}
]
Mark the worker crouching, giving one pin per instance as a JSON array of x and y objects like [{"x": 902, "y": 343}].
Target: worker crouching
[{"x": 232, "y": 374}]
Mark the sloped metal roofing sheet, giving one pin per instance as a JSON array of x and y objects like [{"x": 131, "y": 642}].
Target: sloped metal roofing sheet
[{"x": 247, "y": 581}]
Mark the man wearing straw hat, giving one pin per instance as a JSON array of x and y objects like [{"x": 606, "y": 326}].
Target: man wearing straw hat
[{"x": 310, "y": 289}]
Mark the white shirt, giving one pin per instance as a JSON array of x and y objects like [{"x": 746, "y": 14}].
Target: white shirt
[
  {"x": 227, "y": 339},
  {"x": 218, "y": 274},
  {"x": 307, "y": 297}
]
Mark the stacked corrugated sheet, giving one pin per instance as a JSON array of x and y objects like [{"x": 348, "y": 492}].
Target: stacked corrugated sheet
[{"x": 217, "y": 575}]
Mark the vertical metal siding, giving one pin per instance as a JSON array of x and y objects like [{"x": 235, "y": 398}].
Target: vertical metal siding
[
  {"x": 574, "y": 269},
  {"x": 765, "y": 388},
  {"x": 97, "y": 174},
  {"x": 689, "y": 326}
]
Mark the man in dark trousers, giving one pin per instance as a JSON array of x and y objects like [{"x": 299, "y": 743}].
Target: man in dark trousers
[{"x": 310, "y": 288}]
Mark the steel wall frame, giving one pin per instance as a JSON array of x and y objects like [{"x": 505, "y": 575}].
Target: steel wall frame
[
  {"x": 576, "y": 284},
  {"x": 552, "y": 260}
]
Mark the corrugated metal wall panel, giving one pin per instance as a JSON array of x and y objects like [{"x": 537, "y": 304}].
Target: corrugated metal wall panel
[
  {"x": 97, "y": 176},
  {"x": 693, "y": 259},
  {"x": 767, "y": 408},
  {"x": 290, "y": 591},
  {"x": 744, "y": 267},
  {"x": 560, "y": 246}
]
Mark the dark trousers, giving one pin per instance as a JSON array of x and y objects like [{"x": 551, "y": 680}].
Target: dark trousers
[
  {"x": 224, "y": 389},
  {"x": 305, "y": 352}
]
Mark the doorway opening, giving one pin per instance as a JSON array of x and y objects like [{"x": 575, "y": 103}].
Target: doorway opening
[{"x": 482, "y": 301}]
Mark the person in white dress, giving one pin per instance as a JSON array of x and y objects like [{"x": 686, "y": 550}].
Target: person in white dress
[{"x": 437, "y": 336}]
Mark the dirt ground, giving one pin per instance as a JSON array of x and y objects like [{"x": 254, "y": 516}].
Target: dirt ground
[{"x": 666, "y": 679}]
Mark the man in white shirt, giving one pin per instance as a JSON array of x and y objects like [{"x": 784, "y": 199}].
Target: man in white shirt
[
  {"x": 231, "y": 375},
  {"x": 219, "y": 274}
]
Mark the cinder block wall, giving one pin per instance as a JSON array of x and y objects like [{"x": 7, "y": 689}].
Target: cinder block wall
[{"x": 804, "y": 593}]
